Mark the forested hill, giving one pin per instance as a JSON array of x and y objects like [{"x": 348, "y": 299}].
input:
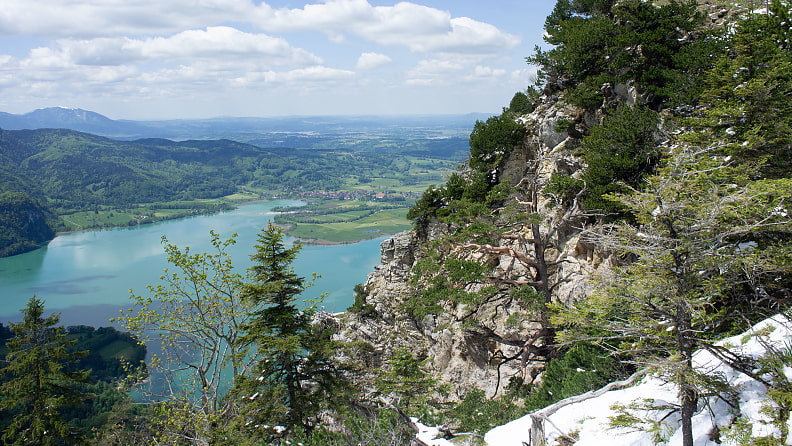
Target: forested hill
[
  {"x": 79, "y": 170},
  {"x": 47, "y": 173},
  {"x": 24, "y": 223}
]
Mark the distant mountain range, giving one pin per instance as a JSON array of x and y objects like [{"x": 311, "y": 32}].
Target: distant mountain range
[
  {"x": 69, "y": 118},
  {"x": 240, "y": 129}
]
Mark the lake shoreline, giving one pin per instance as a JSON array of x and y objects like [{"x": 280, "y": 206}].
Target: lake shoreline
[
  {"x": 233, "y": 206},
  {"x": 321, "y": 242},
  {"x": 93, "y": 271},
  {"x": 305, "y": 241}
]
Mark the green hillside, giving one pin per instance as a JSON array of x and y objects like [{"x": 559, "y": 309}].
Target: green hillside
[{"x": 71, "y": 180}]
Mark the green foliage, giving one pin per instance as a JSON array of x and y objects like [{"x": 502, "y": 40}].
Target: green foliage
[
  {"x": 407, "y": 379},
  {"x": 104, "y": 402},
  {"x": 426, "y": 206},
  {"x": 648, "y": 39},
  {"x": 747, "y": 93},
  {"x": 361, "y": 428},
  {"x": 581, "y": 41},
  {"x": 492, "y": 141},
  {"x": 24, "y": 223},
  {"x": 694, "y": 250},
  {"x": 599, "y": 42},
  {"x": 359, "y": 304},
  {"x": 562, "y": 189},
  {"x": 467, "y": 195},
  {"x": 196, "y": 315},
  {"x": 582, "y": 368},
  {"x": 684, "y": 86},
  {"x": 479, "y": 414},
  {"x": 461, "y": 199},
  {"x": 442, "y": 278},
  {"x": 739, "y": 432},
  {"x": 39, "y": 386},
  {"x": 628, "y": 417},
  {"x": 294, "y": 352},
  {"x": 114, "y": 359},
  {"x": 618, "y": 155},
  {"x": 773, "y": 364},
  {"x": 521, "y": 103}
]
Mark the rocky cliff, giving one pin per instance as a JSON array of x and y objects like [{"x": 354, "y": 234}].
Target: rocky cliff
[
  {"x": 484, "y": 348},
  {"x": 486, "y": 343}
]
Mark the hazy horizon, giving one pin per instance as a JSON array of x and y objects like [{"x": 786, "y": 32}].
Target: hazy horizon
[{"x": 208, "y": 118}]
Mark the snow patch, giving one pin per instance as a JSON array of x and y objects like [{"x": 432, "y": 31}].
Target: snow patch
[
  {"x": 428, "y": 435},
  {"x": 601, "y": 420}
]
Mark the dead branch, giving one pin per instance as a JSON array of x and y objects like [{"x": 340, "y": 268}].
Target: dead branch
[{"x": 537, "y": 433}]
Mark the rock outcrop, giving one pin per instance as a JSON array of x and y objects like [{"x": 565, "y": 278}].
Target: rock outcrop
[{"x": 476, "y": 355}]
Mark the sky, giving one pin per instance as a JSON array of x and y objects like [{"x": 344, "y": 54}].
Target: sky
[{"x": 186, "y": 59}]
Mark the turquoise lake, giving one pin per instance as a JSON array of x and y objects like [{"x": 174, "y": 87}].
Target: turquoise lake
[{"x": 86, "y": 276}]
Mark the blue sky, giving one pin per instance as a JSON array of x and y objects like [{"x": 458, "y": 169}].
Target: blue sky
[{"x": 162, "y": 59}]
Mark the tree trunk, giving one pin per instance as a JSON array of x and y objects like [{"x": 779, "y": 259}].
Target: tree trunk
[
  {"x": 537, "y": 435},
  {"x": 687, "y": 391},
  {"x": 689, "y": 403}
]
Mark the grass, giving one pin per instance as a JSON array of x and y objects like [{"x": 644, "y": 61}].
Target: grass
[
  {"x": 107, "y": 217},
  {"x": 119, "y": 218},
  {"x": 382, "y": 222},
  {"x": 117, "y": 349}
]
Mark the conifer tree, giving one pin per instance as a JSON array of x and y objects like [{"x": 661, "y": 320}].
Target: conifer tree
[
  {"x": 295, "y": 377},
  {"x": 708, "y": 251},
  {"x": 38, "y": 383}
]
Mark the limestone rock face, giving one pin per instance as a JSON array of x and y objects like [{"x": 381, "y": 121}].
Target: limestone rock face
[{"x": 488, "y": 353}]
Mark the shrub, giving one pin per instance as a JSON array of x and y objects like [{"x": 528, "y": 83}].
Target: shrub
[
  {"x": 583, "y": 367},
  {"x": 492, "y": 140},
  {"x": 360, "y": 306},
  {"x": 521, "y": 104},
  {"x": 618, "y": 155}
]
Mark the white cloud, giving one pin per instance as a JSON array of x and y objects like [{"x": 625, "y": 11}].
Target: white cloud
[
  {"x": 404, "y": 23},
  {"x": 75, "y": 18},
  {"x": 421, "y": 28},
  {"x": 446, "y": 70},
  {"x": 187, "y": 64},
  {"x": 310, "y": 74},
  {"x": 487, "y": 72},
  {"x": 122, "y": 51},
  {"x": 435, "y": 72},
  {"x": 369, "y": 61},
  {"x": 226, "y": 42},
  {"x": 332, "y": 15},
  {"x": 469, "y": 36},
  {"x": 219, "y": 43}
]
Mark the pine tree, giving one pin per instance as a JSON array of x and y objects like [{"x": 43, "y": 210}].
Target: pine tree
[
  {"x": 295, "y": 377},
  {"x": 748, "y": 93},
  {"x": 38, "y": 382},
  {"x": 708, "y": 252}
]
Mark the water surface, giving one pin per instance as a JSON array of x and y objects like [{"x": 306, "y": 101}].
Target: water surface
[{"x": 86, "y": 276}]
